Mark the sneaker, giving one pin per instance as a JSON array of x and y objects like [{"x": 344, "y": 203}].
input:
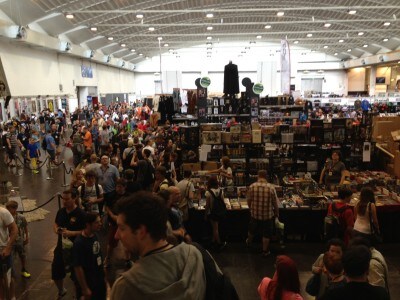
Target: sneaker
[
  {"x": 62, "y": 293},
  {"x": 35, "y": 172},
  {"x": 25, "y": 274}
]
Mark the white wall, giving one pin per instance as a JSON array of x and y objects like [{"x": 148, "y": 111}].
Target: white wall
[
  {"x": 32, "y": 72},
  {"x": 356, "y": 79}
]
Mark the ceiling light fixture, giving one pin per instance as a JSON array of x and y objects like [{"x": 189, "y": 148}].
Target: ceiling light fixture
[
  {"x": 110, "y": 38},
  {"x": 341, "y": 41},
  {"x": 386, "y": 24},
  {"x": 209, "y": 44},
  {"x": 335, "y": 54},
  {"x": 258, "y": 37},
  {"x": 166, "y": 45},
  {"x": 280, "y": 13},
  {"x": 69, "y": 16},
  {"x": 295, "y": 42},
  {"x": 139, "y": 16},
  {"x": 352, "y": 12},
  {"x": 151, "y": 28},
  {"x": 209, "y": 38},
  {"x": 159, "y": 38},
  {"x": 133, "y": 50},
  {"x": 123, "y": 45},
  {"x": 147, "y": 57},
  {"x": 93, "y": 28},
  {"x": 247, "y": 48},
  {"x": 327, "y": 25},
  {"x": 209, "y": 28},
  {"x": 252, "y": 42},
  {"x": 361, "y": 33},
  {"x": 309, "y": 34},
  {"x": 385, "y": 39},
  {"x": 210, "y": 15},
  {"x": 365, "y": 46},
  {"x": 348, "y": 50},
  {"x": 140, "y": 54},
  {"x": 326, "y": 47},
  {"x": 267, "y": 26}
]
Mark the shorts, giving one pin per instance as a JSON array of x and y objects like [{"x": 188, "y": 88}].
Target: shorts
[
  {"x": 265, "y": 227},
  {"x": 20, "y": 249},
  {"x": 11, "y": 153},
  {"x": 52, "y": 154},
  {"x": 58, "y": 266},
  {"x": 5, "y": 265}
]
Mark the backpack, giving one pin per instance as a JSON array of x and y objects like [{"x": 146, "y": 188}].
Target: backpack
[
  {"x": 333, "y": 226},
  {"x": 218, "y": 285},
  {"x": 83, "y": 189},
  {"x": 126, "y": 163},
  {"x": 218, "y": 207}
]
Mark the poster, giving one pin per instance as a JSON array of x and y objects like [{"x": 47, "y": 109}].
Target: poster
[{"x": 50, "y": 105}]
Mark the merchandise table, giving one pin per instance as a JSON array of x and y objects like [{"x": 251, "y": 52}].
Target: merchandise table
[{"x": 304, "y": 222}]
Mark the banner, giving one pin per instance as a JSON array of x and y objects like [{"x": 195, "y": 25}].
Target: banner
[{"x": 285, "y": 67}]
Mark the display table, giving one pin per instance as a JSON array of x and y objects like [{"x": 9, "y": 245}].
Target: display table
[{"x": 306, "y": 223}]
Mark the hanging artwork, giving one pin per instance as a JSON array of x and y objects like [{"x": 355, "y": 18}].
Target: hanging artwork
[{"x": 50, "y": 105}]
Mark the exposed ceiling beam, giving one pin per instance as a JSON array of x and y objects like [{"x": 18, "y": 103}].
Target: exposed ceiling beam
[
  {"x": 74, "y": 29},
  {"x": 228, "y": 10},
  {"x": 49, "y": 16},
  {"x": 336, "y": 21}
]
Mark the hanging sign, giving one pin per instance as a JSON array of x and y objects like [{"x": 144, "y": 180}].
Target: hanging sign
[
  {"x": 205, "y": 82},
  {"x": 258, "y": 88},
  {"x": 285, "y": 67}
]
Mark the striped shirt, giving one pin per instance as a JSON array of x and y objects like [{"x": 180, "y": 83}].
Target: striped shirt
[{"x": 261, "y": 194}]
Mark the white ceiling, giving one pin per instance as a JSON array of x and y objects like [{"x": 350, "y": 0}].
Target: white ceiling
[{"x": 183, "y": 23}]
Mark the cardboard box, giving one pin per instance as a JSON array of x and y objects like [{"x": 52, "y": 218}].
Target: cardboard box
[
  {"x": 211, "y": 137},
  {"x": 245, "y": 128},
  {"x": 211, "y": 127},
  {"x": 256, "y": 136},
  {"x": 396, "y": 135},
  {"x": 235, "y": 138},
  {"x": 269, "y": 129},
  {"x": 191, "y": 166},
  {"x": 245, "y": 138},
  {"x": 384, "y": 126},
  {"x": 235, "y": 128},
  {"x": 255, "y": 126},
  {"x": 226, "y": 137},
  {"x": 210, "y": 165}
]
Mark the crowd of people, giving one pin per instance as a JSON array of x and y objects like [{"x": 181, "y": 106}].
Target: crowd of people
[{"x": 127, "y": 176}]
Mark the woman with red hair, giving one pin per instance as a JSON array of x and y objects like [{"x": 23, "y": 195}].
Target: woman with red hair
[{"x": 285, "y": 285}]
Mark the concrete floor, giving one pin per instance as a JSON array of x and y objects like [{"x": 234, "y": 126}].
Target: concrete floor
[{"x": 245, "y": 266}]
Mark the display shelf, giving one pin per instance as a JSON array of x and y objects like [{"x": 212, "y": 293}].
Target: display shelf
[{"x": 281, "y": 106}]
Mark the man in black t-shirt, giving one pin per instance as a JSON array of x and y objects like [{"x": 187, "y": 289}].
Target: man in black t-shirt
[
  {"x": 88, "y": 262},
  {"x": 356, "y": 264},
  {"x": 70, "y": 220}
]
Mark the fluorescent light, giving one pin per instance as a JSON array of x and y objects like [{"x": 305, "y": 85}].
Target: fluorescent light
[
  {"x": 365, "y": 46},
  {"x": 335, "y": 54},
  {"x": 309, "y": 34},
  {"x": 209, "y": 48},
  {"x": 326, "y": 47},
  {"x": 209, "y": 53},
  {"x": 139, "y": 16},
  {"x": 147, "y": 57},
  {"x": 159, "y": 38},
  {"x": 93, "y": 28},
  {"x": 312, "y": 51},
  {"x": 166, "y": 45},
  {"x": 140, "y": 54},
  {"x": 361, "y": 33},
  {"x": 209, "y": 44},
  {"x": 320, "y": 71},
  {"x": 69, "y": 16},
  {"x": 386, "y": 24},
  {"x": 133, "y": 50},
  {"x": 352, "y": 12},
  {"x": 209, "y": 28},
  {"x": 341, "y": 41},
  {"x": 327, "y": 25},
  {"x": 348, "y": 50},
  {"x": 295, "y": 42},
  {"x": 267, "y": 26},
  {"x": 209, "y": 38},
  {"x": 280, "y": 13},
  {"x": 385, "y": 39},
  {"x": 151, "y": 28},
  {"x": 247, "y": 48},
  {"x": 258, "y": 37},
  {"x": 210, "y": 15},
  {"x": 110, "y": 38},
  {"x": 123, "y": 45}
]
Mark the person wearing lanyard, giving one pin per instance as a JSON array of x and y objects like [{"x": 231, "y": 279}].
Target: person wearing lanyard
[
  {"x": 333, "y": 173},
  {"x": 107, "y": 175}
]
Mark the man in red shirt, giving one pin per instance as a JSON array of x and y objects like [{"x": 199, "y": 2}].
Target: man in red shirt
[{"x": 344, "y": 212}]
